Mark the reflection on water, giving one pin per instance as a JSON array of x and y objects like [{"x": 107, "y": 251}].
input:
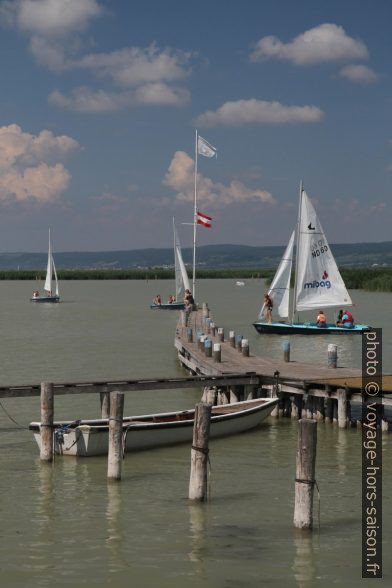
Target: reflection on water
[
  {"x": 198, "y": 521},
  {"x": 304, "y": 565},
  {"x": 115, "y": 526}
]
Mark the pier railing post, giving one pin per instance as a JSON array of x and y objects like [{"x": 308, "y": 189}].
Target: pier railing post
[
  {"x": 46, "y": 428},
  {"x": 115, "y": 452},
  {"x": 199, "y": 453},
  {"x": 286, "y": 350},
  {"x": 305, "y": 474},
  {"x": 232, "y": 338},
  {"x": 245, "y": 347},
  {"x": 217, "y": 353},
  {"x": 221, "y": 334}
]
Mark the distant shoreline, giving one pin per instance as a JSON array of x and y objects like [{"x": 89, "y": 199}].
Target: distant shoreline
[{"x": 371, "y": 279}]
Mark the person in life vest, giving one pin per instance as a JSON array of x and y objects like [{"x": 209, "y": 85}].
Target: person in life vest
[
  {"x": 321, "y": 320},
  {"x": 347, "y": 320}
]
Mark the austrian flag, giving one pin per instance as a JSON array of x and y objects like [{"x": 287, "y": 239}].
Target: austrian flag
[{"x": 203, "y": 219}]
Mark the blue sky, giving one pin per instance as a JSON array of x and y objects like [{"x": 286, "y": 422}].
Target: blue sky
[{"x": 99, "y": 103}]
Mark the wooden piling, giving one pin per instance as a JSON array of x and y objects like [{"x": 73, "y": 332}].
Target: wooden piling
[
  {"x": 213, "y": 328},
  {"x": 189, "y": 335},
  {"x": 296, "y": 406},
  {"x": 209, "y": 395},
  {"x": 217, "y": 353},
  {"x": 238, "y": 341},
  {"x": 115, "y": 452},
  {"x": 208, "y": 347},
  {"x": 205, "y": 310},
  {"x": 332, "y": 356},
  {"x": 286, "y": 350},
  {"x": 329, "y": 410},
  {"x": 245, "y": 347},
  {"x": 232, "y": 338},
  {"x": 105, "y": 404},
  {"x": 221, "y": 334},
  {"x": 199, "y": 453},
  {"x": 342, "y": 408},
  {"x": 46, "y": 428},
  {"x": 305, "y": 474},
  {"x": 320, "y": 409}
]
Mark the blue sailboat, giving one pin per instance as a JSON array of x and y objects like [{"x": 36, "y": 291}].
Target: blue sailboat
[{"x": 318, "y": 283}]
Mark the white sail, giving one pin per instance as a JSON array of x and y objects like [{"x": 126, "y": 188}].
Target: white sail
[
  {"x": 181, "y": 276},
  {"x": 279, "y": 290},
  {"x": 318, "y": 282},
  {"x": 50, "y": 271}
]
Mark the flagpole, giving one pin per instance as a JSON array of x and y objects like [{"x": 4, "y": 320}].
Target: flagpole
[{"x": 194, "y": 226}]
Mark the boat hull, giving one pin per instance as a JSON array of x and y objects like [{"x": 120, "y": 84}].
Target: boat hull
[
  {"x": 306, "y": 329},
  {"x": 52, "y": 299},
  {"x": 173, "y": 306},
  {"x": 90, "y": 438}
]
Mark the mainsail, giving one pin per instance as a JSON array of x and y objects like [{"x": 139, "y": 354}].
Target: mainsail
[
  {"x": 318, "y": 282},
  {"x": 181, "y": 276},
  {"x": 50, "y": 271},
  {"x": 279, "y": 290}
]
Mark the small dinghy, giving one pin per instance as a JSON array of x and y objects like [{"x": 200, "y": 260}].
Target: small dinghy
[{"x": 90, "y": 437}]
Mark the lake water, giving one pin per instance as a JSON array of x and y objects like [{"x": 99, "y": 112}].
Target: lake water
[{"x": 64, "y": 525}]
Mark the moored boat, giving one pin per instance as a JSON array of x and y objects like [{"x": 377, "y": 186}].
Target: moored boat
[
  {"x": 90, "y": 437},
  {"x": 318, "y": 283}
]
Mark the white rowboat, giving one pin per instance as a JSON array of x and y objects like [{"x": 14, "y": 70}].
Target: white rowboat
[{"x": 90, "y": 437}]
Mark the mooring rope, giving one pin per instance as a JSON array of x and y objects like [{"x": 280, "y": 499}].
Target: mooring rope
[
  {"x": 313, "y": 483},
  {"x": 12, "y": 419},
  {"x": 206, "y": 451}
]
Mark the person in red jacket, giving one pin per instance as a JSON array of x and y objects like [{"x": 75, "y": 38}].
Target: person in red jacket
[{"x": 347, "y": 319}]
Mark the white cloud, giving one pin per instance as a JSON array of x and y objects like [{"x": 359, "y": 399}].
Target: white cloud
[
  {"x": 254, "y": 111},
  {"x": 324, "y": 43},
  {"x": 133, "y": 66},
  {"x": 180, "y": 177},
  {"x": 359, "y": 73},
  {"x": 50, "y": 17},
  {"x": 84, "y": 99},
  {"x": 30, "y": 166}
]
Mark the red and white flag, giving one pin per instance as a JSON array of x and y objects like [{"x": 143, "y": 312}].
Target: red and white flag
[{"x": 203, "y": 219}]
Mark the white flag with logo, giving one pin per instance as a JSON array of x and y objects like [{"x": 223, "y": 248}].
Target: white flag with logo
[{"x": 204, "y": 148}]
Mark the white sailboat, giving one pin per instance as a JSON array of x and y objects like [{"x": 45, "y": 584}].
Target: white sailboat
[
  {"x": 50, "y": 280},
  {"x": 318, "y": 283},
  {"x": 181, "y": 281}
]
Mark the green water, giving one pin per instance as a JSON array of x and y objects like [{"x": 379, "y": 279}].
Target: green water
[{"x": 64, "y": 525}]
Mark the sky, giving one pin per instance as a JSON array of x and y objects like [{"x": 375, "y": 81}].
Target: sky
[{"x": 100, "y": 102}]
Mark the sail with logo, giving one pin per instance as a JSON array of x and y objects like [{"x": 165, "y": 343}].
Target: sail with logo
[{"x": 318, "y": 283}]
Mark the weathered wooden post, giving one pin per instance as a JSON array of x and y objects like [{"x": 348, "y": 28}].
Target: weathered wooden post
[
  {"x": 105, "y": 403},
  {"x": 189, "y": 335},
  {"x": 205, "y": 310},
  {"x": 199, "y": 453},
  {"x": 115, "y": 452},
  {"x": 208, "y": 347},
  {"x": 183, "y": 318},
  {"x": 320, "y": 410},
  {"x": 245, "y": 347},
  {"x": 238, "y": 340},
  {"x": 209, "y": 395},
  {"x": 286, "y": 350},
  {"x": 296, "y": 406},
  {"x": 332, "y": 356},
  {"x": 46, "y": 428},
  {"x": 213, "y": 328},
  {"x": 232, "y": 338},
  {"x": 201, "y": 340},
  {"x": 221, "y": 334},
  {"x": 305, "y": 474},
  {"x": 217, "y": 353},
  {"x": 342, "y": 408}
]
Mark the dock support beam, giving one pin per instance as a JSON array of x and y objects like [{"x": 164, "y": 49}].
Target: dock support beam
[
  {"x": 199, "y": 453},
  {"x": 105, "y": 404},
  {"x": 305, "y": 474},
  {"x": 47, "y": 410},
  {"x": 115, "y": 453}
]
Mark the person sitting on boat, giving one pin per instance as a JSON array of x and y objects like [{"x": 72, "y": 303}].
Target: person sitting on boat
[
  {"x": 157, "y": 300},
  {"x": 321, "y": 320},
  {"x": 35, "y": 294},
  {"x": 172, "y": 299},
  {"x": 268, "y": 307},
  {"x": 339, "y": 322},
  {"x": 347, "y": 320}
]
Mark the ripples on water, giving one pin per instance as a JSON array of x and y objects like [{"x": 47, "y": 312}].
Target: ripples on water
[{"x": 64, "y": 525}]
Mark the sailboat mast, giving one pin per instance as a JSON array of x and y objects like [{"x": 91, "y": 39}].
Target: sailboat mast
[
  {"x": 194, "y": 225},
  {"x": 296, "y": 253}
]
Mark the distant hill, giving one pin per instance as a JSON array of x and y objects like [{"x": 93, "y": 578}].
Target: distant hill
[{"x": 209, "y": 256}]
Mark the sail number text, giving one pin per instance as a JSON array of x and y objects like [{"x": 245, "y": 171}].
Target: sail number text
[{"x": 318, "y": 248}]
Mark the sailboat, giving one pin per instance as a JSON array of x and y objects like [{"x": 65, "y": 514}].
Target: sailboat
[
  {"x": 51, "y": 275},
  {"x": 318, "y": 283},
  {"x": 181, "y": 282}
]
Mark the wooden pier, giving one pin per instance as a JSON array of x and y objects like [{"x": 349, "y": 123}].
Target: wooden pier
[{"x": 320, "y": 385}]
